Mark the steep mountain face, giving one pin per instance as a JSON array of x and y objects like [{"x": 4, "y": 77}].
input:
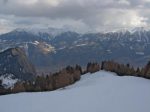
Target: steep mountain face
[
  {"x": 14, "y": 61},
  {"x": 54, "y": 49}
]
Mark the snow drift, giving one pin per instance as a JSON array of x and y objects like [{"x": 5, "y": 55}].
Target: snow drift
[{"x": 97, "y": 92}]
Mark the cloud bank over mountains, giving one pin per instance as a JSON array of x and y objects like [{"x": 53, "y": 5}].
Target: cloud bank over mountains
[{"x": 80, "y": 15}]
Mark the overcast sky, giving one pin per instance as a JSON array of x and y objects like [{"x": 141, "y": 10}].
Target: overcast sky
[{"x": 80, "y": 15}]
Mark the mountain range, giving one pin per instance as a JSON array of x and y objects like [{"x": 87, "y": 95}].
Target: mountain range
[{"x": 51, "y": 49}]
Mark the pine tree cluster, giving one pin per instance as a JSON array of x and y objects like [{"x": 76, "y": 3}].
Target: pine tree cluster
[{"x": 63, "y": 78}]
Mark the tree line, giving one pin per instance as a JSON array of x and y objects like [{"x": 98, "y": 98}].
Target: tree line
[
  {"x": 70, "y": 75},
  {"x": 126, "y": 69}
]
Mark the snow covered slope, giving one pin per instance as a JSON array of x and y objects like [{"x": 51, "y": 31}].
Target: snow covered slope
[
  {"x": 98, "y": 92},
  {"x": 8, "y": 80}
]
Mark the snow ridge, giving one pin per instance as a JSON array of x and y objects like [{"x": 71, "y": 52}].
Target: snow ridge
[{"x": 98, "y": 92}]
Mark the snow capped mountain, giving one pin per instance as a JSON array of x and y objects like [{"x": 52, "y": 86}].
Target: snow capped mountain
[
  {"x": 131, "y": 30},
  {"x": 140, "y": 29},
  {"x": 47, "y": 34},
  {"x": 65, "y": 48},
  {"x": 138, "y": 34},
  {"x": 97, "y": 92},
  {"x": 41, "y": 31}
]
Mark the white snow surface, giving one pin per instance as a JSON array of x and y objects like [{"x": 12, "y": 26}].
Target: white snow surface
[
  {"x": 8, "y": 81},
  {"x": 97, "y": 92}
]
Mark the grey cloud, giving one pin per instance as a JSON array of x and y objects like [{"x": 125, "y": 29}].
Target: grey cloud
[
  {"x": 80, "y": 14},
  {"x": 66, "y": 8},
  {"x": 5, "y": 1}
]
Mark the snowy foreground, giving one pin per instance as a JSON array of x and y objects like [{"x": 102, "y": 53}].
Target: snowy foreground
[{"x": 98, "y": 92}]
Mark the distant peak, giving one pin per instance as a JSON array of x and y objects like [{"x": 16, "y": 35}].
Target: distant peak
[
  {"x": 41, "y": 30},
  {"x": 130, "y": 30},
  {"x": 140, "y": 29}
]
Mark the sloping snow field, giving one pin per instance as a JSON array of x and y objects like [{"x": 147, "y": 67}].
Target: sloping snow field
[{"x": 98, "y": 92}]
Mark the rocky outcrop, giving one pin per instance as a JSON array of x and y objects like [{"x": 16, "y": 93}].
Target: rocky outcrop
[{"x": 14, "y": 61}]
